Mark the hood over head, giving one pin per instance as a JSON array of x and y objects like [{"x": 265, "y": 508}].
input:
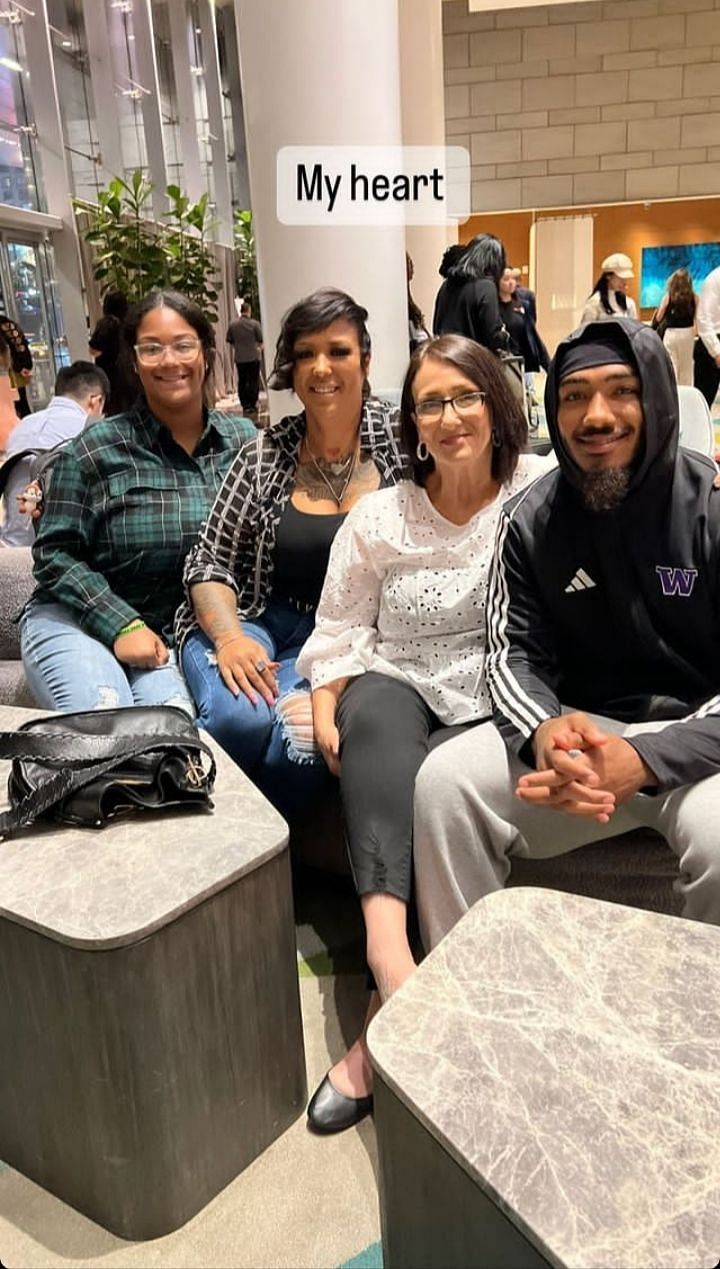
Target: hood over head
[
  {"x": 451, "y": 258},
  {"x": 622, "y": 340}
]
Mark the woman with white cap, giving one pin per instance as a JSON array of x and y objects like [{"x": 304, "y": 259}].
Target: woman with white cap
[{"x": 609, "y": 297}]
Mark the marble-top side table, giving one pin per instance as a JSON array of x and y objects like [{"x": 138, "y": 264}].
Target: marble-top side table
[
  {"x": 150, "y": 1031},
  {"x": 548, "y": 1091}
]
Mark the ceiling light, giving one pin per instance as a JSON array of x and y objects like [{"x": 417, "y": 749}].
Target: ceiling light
[{"x": 10, "y": 64}]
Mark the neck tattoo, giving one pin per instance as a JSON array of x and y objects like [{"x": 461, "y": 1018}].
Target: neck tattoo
[{"x": 335, "y": 477}]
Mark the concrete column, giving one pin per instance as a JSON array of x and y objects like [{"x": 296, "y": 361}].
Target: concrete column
[
  {"x": 102, "y": 79},
  {"x": 329, "y": 76},
  {"x": 55, "y": 173},
  {"x": 423, "y": 123},
  {"x": 151, "y": 112},
  {"x": 218, "y": 149},
  {"x": 192, "y": 181}
]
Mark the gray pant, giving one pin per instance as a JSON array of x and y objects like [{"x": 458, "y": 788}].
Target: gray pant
[{"x": 468, "y": 824}]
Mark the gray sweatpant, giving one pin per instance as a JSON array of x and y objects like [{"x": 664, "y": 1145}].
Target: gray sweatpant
[{"x": 468, "y": 823}]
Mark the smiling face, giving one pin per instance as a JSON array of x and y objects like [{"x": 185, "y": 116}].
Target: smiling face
[
  {"x": 462, "y": 434},
  {"x": 330, "y": 370},
  {"x": 600, "y": 416},
  {"x": 173, "y": 382}
]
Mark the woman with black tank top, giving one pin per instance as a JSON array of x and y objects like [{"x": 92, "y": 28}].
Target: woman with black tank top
[
  {"x": 674, "y": 321},
  {"x": 255, "y": 576}
]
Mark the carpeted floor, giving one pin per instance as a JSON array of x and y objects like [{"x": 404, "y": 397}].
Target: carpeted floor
[{"x": 307, "y": 1201}]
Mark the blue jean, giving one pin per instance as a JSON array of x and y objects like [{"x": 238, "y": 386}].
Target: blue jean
[
  {"x": 67, "y": 669},
  {"x": 278, "y": 755}
]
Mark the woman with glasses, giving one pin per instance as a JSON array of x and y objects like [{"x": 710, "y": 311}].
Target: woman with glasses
[
  {"x": 255, "y": 576},
  {"x": 396, "y": 657},
  {"x": 124, "y": 505}
]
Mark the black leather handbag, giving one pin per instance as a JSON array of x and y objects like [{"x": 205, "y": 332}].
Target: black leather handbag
[{"x": 86, "y": 769}]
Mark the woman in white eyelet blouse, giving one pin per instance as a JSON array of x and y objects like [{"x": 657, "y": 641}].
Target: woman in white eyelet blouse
[{"x": 396, "y": 657}]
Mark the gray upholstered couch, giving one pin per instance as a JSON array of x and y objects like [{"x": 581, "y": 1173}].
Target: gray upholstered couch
[
  {"x": 637, "y": 869},
  {"x": 16, "y": 583}
]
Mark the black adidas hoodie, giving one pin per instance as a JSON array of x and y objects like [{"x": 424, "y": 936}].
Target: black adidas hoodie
[{"x": 616, "y": 613}]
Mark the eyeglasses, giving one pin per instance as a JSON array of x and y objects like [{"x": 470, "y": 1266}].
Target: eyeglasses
[
  {"x": 152, "y": 354},
  {"x": 432, "y": 409}
]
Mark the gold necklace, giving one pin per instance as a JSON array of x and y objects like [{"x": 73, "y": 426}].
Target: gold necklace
[{"x": 337, "y": 497}]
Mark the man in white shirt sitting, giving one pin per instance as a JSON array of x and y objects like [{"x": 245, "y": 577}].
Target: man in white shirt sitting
[
  {"x": 80, "y": 394},
  {"x": 707, "y": 347}
]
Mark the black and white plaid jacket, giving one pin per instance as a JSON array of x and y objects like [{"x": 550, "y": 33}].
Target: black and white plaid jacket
[{"x": 237, "y": 541}]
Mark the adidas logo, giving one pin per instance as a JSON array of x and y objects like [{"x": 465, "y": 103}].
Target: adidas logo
[{"x": 581, "y": 581}]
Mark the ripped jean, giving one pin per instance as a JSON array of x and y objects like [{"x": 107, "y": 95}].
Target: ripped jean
[
  {"x": 67, "y": 669},
  {"x": 273, "y": 745}
]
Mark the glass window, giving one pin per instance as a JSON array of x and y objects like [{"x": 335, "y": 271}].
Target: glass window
[
  {"x": 19, "y": 172},
  {"x": 69, "y": 48}
]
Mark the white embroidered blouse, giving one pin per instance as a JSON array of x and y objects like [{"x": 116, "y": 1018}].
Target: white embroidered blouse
[{"x": 405, "y": 595}]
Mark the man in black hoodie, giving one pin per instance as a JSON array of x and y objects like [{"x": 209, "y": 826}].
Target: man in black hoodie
[{"x": 603, "y": 636}]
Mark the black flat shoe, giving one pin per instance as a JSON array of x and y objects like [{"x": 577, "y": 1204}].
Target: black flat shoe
[{"x": 330, "y": 1111}]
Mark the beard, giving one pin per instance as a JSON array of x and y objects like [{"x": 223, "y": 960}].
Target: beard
[{"x": 604, "y": 490}]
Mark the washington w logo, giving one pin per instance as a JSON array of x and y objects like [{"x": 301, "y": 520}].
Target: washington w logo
[{"x": 676, "y": 581}]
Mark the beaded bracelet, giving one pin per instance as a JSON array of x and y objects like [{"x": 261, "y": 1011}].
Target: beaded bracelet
[{"x": 131, "y": 627}]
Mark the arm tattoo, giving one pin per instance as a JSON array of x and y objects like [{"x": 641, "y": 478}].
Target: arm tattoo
[{"x": 215, "y": 608}]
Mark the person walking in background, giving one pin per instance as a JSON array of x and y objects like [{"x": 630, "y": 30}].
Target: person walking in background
[
  {"x": 467, "y": 302},
  {"x": 105, "y": 348},
  {"x": 21, "y": 362},
  {"x": 609, "y": 296},
  {"x": 520, "y": 326},
  {"x": 540, "y": 359},
  {"x": 674, "y": 321},
  {"x": 707, "y": 347},
  {"x": 245, "y": 335},
  {"x": 417, "y": 330},
  {"x": 80, "y": 394}
]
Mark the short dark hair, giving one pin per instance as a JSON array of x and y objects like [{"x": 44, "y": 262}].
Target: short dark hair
[
  {"x": 80, "y": 379},
  {"x": 484, "y": 370},
  {"x": 313, "y": 313},
  {"x": 190, "y": 313},
  {"x": 115, "y": 304}
]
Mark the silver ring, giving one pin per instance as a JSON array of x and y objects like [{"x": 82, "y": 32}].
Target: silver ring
[
  {"x": 261, "y": 666},
  {"x": 574, "y": 753}
]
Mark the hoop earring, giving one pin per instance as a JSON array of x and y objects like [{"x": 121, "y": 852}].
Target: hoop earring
[
  {"x": 422, "y": 451},
  {"x": 495, "y": 438}
]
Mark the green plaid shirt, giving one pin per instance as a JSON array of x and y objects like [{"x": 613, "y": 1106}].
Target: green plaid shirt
[{"x": 124, "y": 506}]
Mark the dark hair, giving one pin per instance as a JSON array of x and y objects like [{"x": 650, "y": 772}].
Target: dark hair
[
  {"x": 602, "y": 288},
  {"x": 484, "y": 370},
  {"x": 314, "y": 313},
  {"x": 115, "y": 304},
  {"x": 484, "y": 258},
  {"x": 80, "y": 379},
  {"x": 451, "y": 257},
  {"x": 190, "y": 313}
]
